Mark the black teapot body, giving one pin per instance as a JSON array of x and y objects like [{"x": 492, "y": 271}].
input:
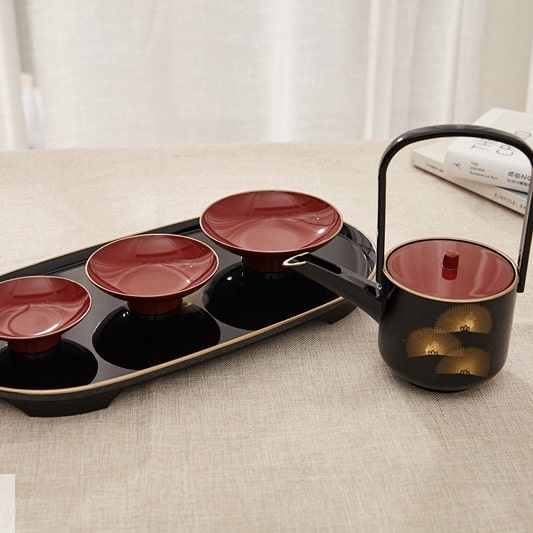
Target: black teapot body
[{"x": 444, "y": 305}]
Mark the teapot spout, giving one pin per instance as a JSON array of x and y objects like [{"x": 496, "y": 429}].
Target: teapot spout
[{"x": 360, "y": 291}]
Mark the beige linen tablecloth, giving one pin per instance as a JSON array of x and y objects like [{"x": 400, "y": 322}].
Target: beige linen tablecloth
[{"x": 305, "y": 431}]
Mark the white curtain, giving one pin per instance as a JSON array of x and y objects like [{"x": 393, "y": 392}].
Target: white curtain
[
  {"x": 13, "y": 131},
  {"x": 160, "y": 72}
]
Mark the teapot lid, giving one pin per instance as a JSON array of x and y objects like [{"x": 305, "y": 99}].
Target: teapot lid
[{"x": 450, "y": 269}]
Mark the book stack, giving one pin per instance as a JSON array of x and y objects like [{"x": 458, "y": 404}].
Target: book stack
[{"x": 490, "y": 169}]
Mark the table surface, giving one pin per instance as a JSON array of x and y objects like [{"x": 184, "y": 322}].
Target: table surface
[{"x": 305, "y": 431}]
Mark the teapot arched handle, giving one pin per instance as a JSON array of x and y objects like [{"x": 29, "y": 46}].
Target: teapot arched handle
[{"x": 451, "y": 130}]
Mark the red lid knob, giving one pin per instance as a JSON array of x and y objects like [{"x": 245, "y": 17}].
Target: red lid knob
[{"x": 450, "y": 260}]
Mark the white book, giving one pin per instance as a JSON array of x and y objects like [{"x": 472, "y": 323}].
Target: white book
[
  {"x": 430, "y": 155},
  {"x": 493, "y": 162}
]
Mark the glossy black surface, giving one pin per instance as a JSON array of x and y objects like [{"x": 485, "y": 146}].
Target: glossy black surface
[
  {"x": 113, "y": 348},
  {"x": 236, "y": 295},
  {"x": 135, "y": 341},
  {"x": 67, "y": 365},
  {"x": 251, "y": 300}
]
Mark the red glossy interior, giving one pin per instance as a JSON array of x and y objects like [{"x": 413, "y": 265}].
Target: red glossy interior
[
  {"x": 35, "y": 310},
  {"x": 450, "y": 269},
  {"x": 267, "y": 226},
  {"x": 152, "y": 272}
]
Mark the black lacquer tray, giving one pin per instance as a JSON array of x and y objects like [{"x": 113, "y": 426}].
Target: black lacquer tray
[{"x": 113, "y": 348}]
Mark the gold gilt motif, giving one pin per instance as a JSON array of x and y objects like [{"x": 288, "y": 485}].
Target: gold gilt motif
[
  {"x": 430, "y": 341},
  {"x": 465, "y": 317},
  {"x": 469, "y": 361}
]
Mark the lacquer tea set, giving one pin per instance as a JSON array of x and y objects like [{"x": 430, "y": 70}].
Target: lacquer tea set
[{"x": 79, "y": 329}]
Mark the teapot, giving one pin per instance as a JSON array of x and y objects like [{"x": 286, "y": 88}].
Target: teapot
[{"x": 444, "y": 305}]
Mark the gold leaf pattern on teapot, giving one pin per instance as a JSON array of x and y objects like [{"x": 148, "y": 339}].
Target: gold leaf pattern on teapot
[
  {"x": 471, "y": 361},
  {"x": 444, "y": 339},
  {"x": 465, "y": 318},
  {"x": 430, "y": 341}
]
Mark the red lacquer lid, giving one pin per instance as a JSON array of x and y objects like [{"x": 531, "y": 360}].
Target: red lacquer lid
[{"x": 450, "y": 269}]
